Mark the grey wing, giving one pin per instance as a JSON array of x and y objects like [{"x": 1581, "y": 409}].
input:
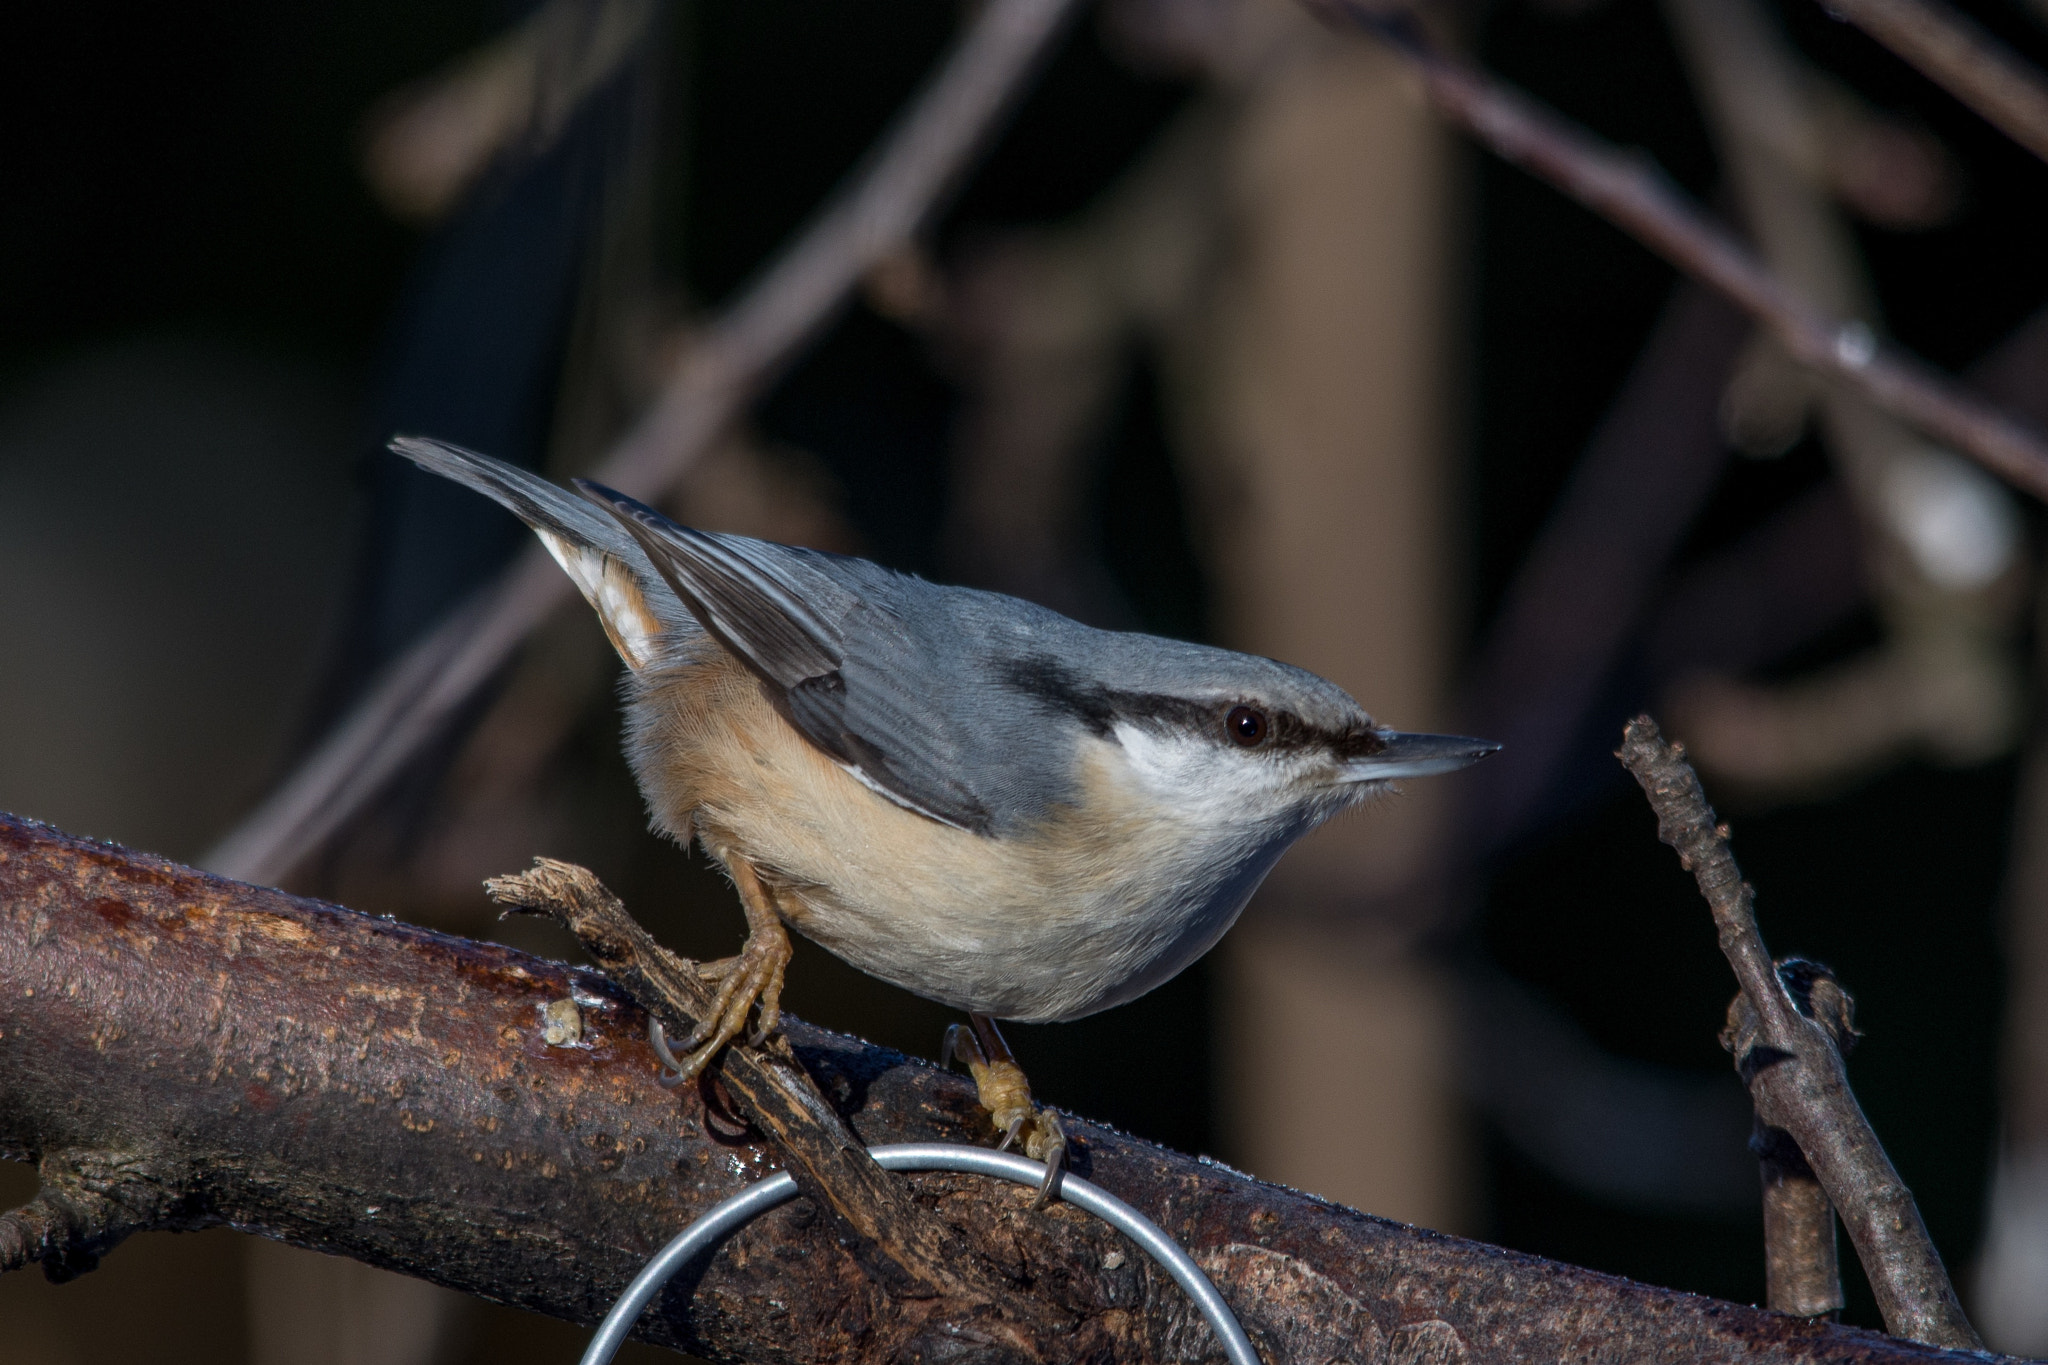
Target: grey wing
[
  {"x": 846, "y": 670},
  {"x": 873, "y": 716}
]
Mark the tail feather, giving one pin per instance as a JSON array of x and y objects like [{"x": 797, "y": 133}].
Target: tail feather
[
  {"x": 606, "y": 564},
  {"x": 535, "y": 501}
]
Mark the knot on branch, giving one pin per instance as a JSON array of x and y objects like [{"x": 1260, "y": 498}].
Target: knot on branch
[
  {"x": 1815, "y": 993},
  {"x": 89, "y": 1203}
]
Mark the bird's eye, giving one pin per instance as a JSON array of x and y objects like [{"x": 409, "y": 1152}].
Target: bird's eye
[{"x": 1245, "y": 726}]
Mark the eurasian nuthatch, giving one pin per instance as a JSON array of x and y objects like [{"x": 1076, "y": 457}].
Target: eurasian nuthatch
[{"x": 967, "y": 795}]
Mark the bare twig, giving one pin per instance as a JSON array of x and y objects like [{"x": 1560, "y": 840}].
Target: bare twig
[
  {"x": 74, "y": 1218},
  {"x": 1794, "y": 1070},
  {"x": 912, "y": 169},
  {"x": 374, "y": 1090},
  {"x": 1629, "y": 192},
  {"x": 1951, "y": 50}
]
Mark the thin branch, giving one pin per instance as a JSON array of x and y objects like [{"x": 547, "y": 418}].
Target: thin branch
[
  {"x": 1794, "y": 1070},
  {"x": 1951, "y": 50},
  {"x": 921, "y": 158},
  {"x": 1629, "y": 191},
  {"x": 412, "y": 1100}
]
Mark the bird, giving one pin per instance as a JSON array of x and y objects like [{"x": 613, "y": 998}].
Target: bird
[{"x": 962, "y": 793}]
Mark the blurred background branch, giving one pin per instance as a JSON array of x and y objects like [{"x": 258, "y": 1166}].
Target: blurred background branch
[
  {"x": 1634, "y": 196},
  {"x": 1968, "y": 62},
  {"x": 428, "y": 144},
  {"x": 720, "y": 369}
]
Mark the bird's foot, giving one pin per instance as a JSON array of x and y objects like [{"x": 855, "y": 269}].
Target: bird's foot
[
  {"x": 754, "y": 977},
  {"x": 1000, "y": 1085}
]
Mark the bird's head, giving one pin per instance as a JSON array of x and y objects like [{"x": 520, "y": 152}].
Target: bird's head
[{"x": 1227, "y": 741}]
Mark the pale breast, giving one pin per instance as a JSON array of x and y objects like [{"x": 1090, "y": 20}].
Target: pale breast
[{"x": 1075, "y": 916}]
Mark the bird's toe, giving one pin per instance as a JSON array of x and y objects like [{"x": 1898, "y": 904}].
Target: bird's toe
[{"x": 753, "y": 978}]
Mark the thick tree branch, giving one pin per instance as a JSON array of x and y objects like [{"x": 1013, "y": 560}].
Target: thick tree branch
[
  {"x": 1951, "y": 50},
  {"x": 205, "y": 1052},
  {"x": 1628, "y": 191},
  {"x": 1793, "y": 1068}
]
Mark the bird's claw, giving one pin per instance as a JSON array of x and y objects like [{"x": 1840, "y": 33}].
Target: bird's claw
[
  {"x": 753, "y": 977},
  {"x": 1002, "y": 1089},
  {"x": 1047, "y": 1142},
  {"x": 672, "y": 1074}
]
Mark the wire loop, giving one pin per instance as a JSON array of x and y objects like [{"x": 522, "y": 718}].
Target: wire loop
[{"x": 758, "y": 1198}]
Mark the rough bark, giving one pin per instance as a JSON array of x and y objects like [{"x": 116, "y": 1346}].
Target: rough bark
[
  {"x": 178, "y": 1051},
  {"x": 900, "y": 1243}
]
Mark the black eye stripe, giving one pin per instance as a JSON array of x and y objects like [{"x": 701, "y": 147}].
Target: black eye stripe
[{"x": 1100, "y": 709}]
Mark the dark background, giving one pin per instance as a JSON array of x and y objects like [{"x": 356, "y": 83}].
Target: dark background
[{"x": 193, "y": 168}]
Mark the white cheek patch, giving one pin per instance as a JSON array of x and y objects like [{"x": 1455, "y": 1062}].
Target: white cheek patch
[
  {"x": 1197, "y": 781},
  {"x": 610, "y": 588}
]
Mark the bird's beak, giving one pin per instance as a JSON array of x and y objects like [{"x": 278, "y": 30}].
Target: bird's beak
[{"x": 1417, "y": 756}]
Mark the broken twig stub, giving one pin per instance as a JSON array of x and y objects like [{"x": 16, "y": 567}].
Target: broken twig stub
[{"x": 1801, "y": 1272}]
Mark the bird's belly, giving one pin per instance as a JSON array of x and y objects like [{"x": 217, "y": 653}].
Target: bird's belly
[
  {"x": 1039, "y": 953},
  {"x": 1038, "y": 928}
]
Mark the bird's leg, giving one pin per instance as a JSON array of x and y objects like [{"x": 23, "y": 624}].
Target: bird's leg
[
  {"x": 999, "y": 1082},
  {"x": 754, "y": 976},
  {"x": 1000, "y": 1085}
]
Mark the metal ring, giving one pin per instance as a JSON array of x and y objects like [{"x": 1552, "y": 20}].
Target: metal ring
[{"x": 777, "y": 1190}]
